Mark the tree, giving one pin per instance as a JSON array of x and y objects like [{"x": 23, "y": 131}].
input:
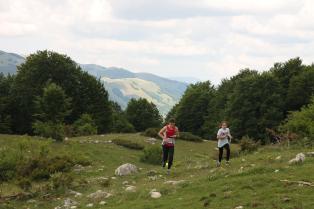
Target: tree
[
  {"x": 284, "y": 72},
  {"x": 143, "y": 114},
  {"x": 120, "y": 123},
  {"x": 301, "y": 88},
  {"x": 193, "y": 107},
  {"x": 53, "y": 105},
  {"x": 84, "y": 126},
  {"x": 301, "y": 122},
  {"x": 5, "y": 117},
  {"x": 87, "y": 93},
  {"x": 254, "y": 105},
  {"x": 52, "y": 108}
]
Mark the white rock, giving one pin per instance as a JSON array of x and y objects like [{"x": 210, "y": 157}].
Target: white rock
[
  {"x": 68, "y": 203},
  {"x": 113, "y": 178},
  {"x": 155, "y": 195},
  {"x": 239, "y": 207},
  {"x": 125, "y": 182},
  {"x": 126, "y": 169},
  {"x": 310, "y": 154},
  {"x": 90, "y": 205},
  {"x": 175, "y": 182},
  {"x": 299, "y": 158},
  {"x": 103, "y": 203},
  {"x": 130, "y": 189},
  {"x": 276, "y": 171},
  {"x": 73, "y": 207},
  {"x": 278, "y": 158},
  {"x": 99, "y": 195},
  {"x": 76, "y": 194}
]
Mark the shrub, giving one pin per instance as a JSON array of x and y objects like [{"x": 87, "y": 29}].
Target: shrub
[
  {"x": 187, "y": 136},
  {"x": 151, "y": 132},
  {"x": 61, "y": 180},
  {"x": 248, "y": 145},
  {"x": 301, "y": 122},
  {"x": 49, "y": 130},
  {"x": 152, "y": 155},
  {"x": 128, "y": 144},
  {"x": 85, "y": 126},
  {"x": 120, "y": 124},
  {"x": 40, "y": 167},
  {"x": 25, "y": 184}
]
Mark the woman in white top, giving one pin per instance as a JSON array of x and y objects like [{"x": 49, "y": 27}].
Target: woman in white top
[{"x": 224, "y": 138}]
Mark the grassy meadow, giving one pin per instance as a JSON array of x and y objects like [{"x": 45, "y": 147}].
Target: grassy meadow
[{"x": 251, "y": 181}]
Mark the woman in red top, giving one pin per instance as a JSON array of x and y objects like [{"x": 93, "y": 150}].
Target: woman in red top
[{"x": 168, "y": 134}]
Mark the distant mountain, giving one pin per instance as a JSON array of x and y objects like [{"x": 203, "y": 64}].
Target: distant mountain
[
  {"x": 189, "y": 80},
  {"x": 9, "y": 61},
  {"x": 121, "y": 84}
]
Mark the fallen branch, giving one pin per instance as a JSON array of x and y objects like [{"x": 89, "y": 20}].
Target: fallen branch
[{"x": 299, "y": 182}]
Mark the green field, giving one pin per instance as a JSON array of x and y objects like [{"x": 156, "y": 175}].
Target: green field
[{"x": 251, "y": 181}]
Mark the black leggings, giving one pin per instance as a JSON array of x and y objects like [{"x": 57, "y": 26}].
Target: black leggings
[
  {"x": 167, "y": 156},
  {"x": 221, "y": 150}
]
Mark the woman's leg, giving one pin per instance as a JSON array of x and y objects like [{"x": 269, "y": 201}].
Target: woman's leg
[
  {"x": 171, "y": 153},
  {"x": 227, "y": 146},
  {"x": 221, "y": 150},
  {"x": 165, "y": 151}
]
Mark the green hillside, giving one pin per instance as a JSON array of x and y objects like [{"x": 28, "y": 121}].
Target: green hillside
[{"x": 251, "y": 181}]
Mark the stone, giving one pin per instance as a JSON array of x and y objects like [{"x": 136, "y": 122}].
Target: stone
[
  {"x": 175, "y": 182},
  {"x": 99, "y": 195},
  {"x": 130, "y": 189},
  {"x": 278, "y": 157},
  {"x": 68, "y": 203},
  {"x": 103, "y": 203},
  {"x": 126, "y": 169},
  {"x": 239, "y": 207},
  {"x": 90, "y": 205},
  {"x": 310, "y": 154},
  {"x": 299, "y": 158},
  {"x": 154, "y": 194}
]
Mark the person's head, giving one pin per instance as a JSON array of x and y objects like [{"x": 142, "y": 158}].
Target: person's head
[
  {"x": 223, "y": 124},
  {"x": 172, "y": 122}
]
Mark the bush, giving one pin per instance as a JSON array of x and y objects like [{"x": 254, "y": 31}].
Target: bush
[
  {"x": 301, "y": 122},
  {"x": 49, "y": 130},
  {"x": 187, "y": 136},
  {"x": 41, "y": 167},
  {"x": 152, "y": 155},
  {"x": 84, "y": 126},
  {"x": 248, "y": 145},
  {"x": 128, "y": 144},
  {"x": 120, "y": 124},
  {"x": 24, "y": 184},
  {"x": 61, "y": 181},
  {"x": 151, "y": 132}
]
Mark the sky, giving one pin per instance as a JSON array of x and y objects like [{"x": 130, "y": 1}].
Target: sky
[{"x": 205, "y": 39}]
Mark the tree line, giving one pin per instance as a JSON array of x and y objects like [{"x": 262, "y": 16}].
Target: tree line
[
  {"x": 250, "y": 101},
  {"x": 51, "y": 96}
]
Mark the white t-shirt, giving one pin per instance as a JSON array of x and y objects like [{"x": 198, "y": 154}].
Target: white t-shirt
[{"x": 223, "y": 132}]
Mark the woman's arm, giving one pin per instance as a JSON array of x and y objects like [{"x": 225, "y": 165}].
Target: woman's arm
[
  {"x": 177, "y": 132},
  {"x": 161, "y": 133}
]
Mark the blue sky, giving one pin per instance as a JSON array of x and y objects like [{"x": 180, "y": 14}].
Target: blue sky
[{"x": 207, "y": 39}]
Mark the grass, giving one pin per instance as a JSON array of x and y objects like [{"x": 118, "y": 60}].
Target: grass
[{"x": 250, "y": 180}]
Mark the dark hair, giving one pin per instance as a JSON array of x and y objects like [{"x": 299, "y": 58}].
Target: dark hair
[{"x": 172, "y": 120}]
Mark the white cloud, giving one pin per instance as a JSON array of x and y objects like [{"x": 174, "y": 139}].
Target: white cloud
[{"x": 209, "y": 39}]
